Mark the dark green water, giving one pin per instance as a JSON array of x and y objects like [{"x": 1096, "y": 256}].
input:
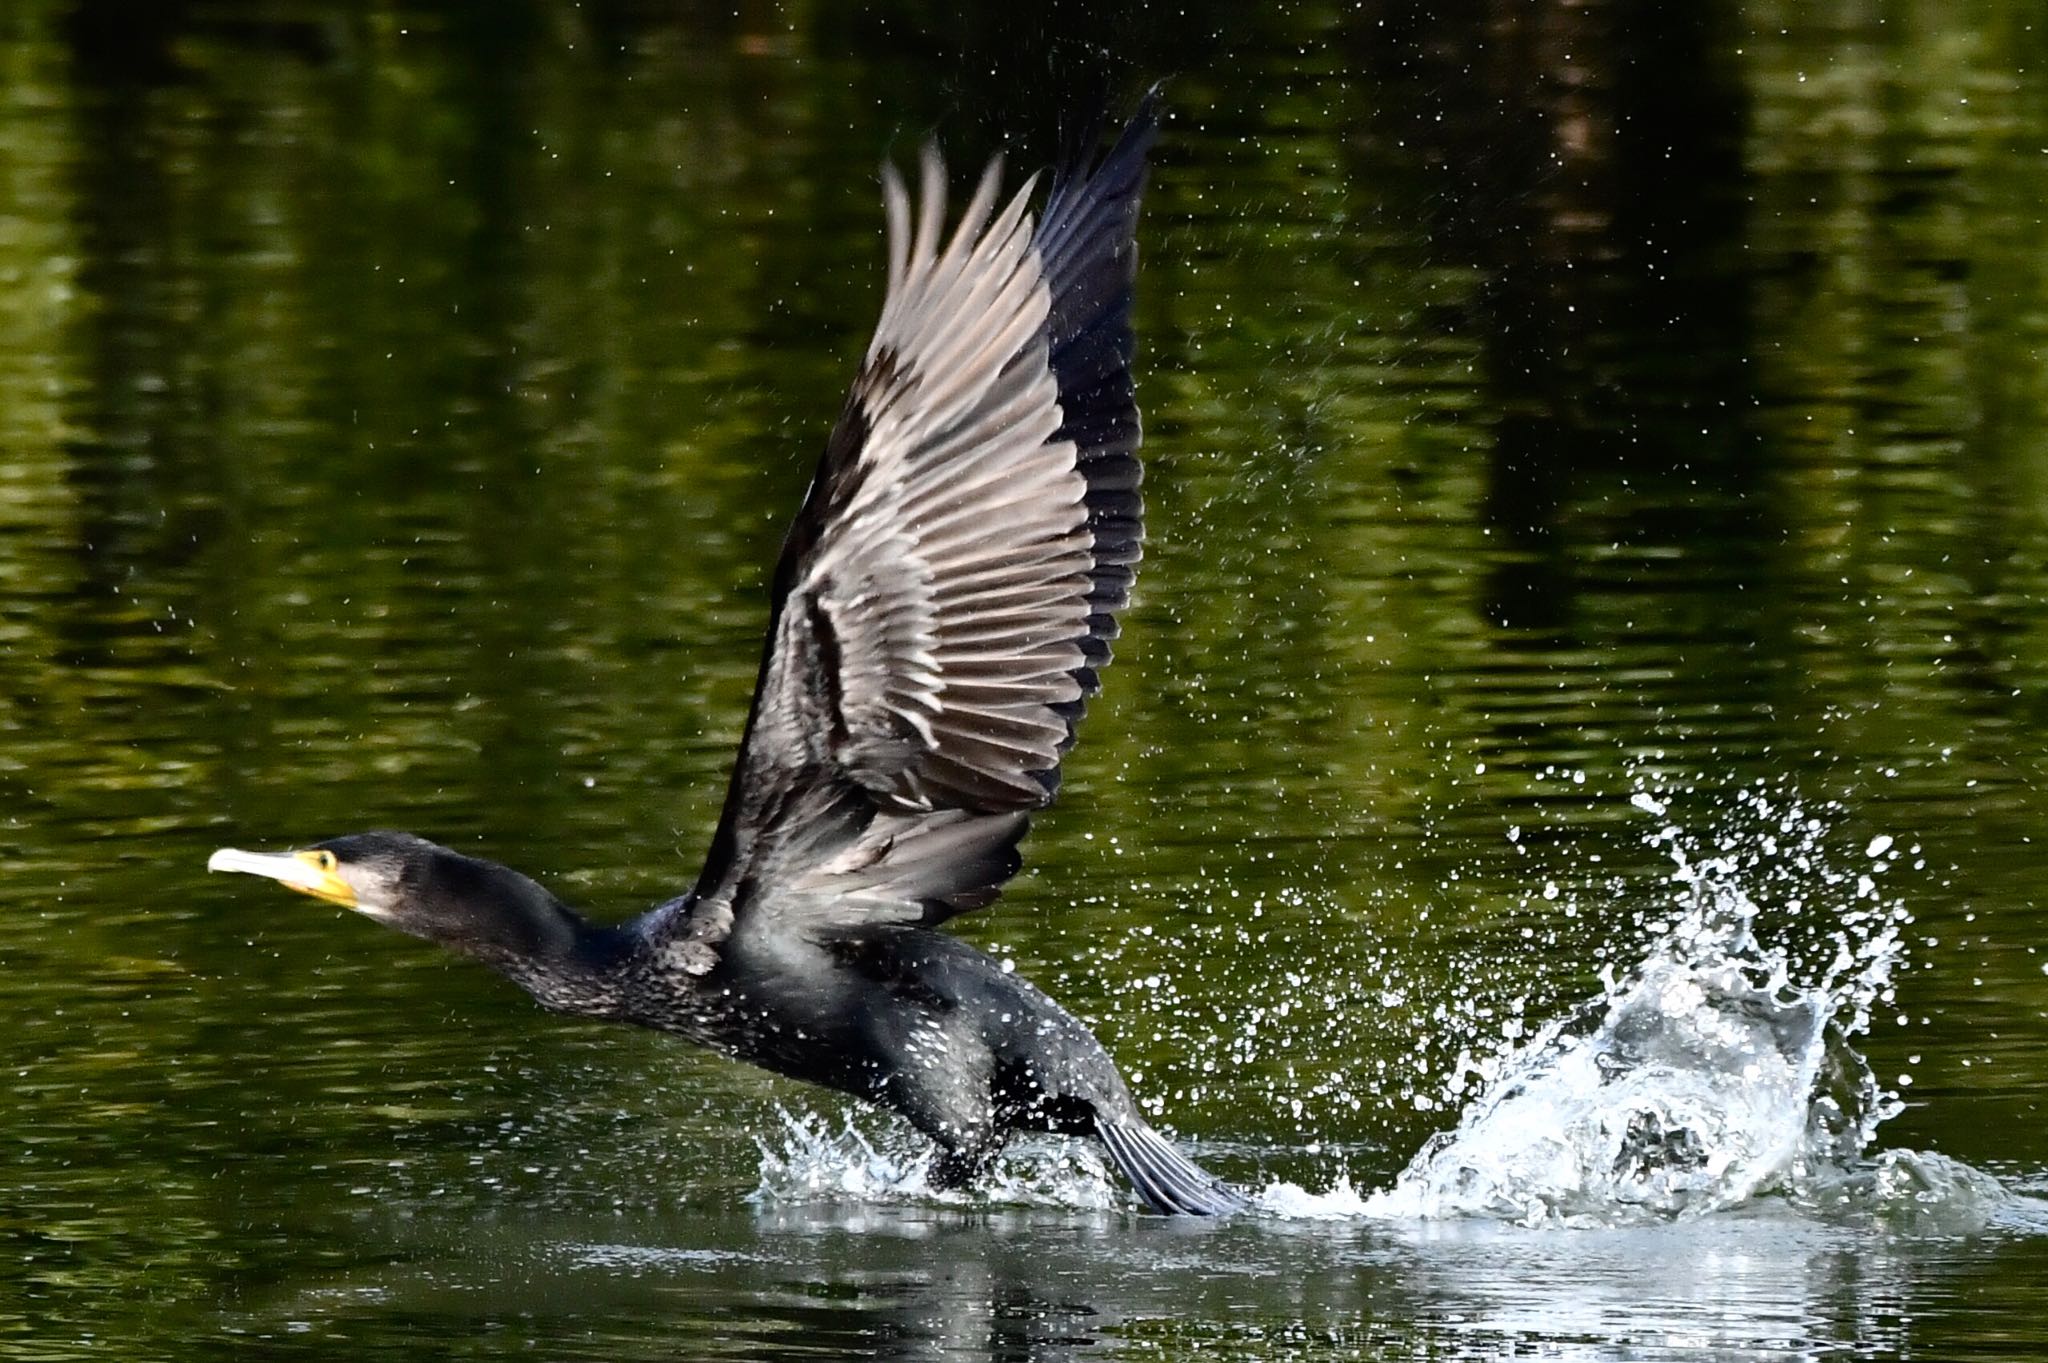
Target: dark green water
[{"x": 398, "y": 415}]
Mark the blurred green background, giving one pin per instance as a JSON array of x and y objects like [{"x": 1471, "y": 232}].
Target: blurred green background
[{"x": 399, "y": 410}]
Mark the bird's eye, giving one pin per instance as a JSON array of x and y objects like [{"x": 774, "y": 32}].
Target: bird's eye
[{"x": 327, "y": 862}]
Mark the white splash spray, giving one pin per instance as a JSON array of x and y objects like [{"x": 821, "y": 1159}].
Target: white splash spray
[
  {"x": 1714, "y": 1071},
  {"x": 816, "y": 1161}
]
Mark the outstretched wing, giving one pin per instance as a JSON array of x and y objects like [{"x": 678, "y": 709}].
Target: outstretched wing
[{"x": 949, "y": 589}]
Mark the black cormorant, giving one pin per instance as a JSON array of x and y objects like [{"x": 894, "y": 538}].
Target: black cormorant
[{"x": 944, "y": 601}]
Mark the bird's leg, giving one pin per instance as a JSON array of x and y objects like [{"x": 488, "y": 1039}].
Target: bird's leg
[{"x": 962, "y": 1166}]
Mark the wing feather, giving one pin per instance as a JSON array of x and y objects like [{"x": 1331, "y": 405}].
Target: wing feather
[{"x": 947, "y": 593}]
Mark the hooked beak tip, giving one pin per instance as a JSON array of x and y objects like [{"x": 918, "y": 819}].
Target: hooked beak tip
[{"x": 299, "y": 871}]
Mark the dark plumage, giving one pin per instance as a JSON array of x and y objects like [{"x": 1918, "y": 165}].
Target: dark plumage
[{"x": 943, "y": 607}]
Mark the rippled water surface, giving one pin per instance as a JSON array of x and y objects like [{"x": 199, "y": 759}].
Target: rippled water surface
[{"x": 1573, "y": 438}]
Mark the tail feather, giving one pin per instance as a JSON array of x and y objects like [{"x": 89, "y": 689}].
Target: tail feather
[{"x": 1163, "y": 1177}]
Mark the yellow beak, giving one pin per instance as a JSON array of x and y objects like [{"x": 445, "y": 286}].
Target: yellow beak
[{"x": 307, "y": 872}]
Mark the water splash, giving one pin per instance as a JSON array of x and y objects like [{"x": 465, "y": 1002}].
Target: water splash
[
  {"x": 1716, "y": 1070},
  {"x": 816, "y": 1161},
  {"x": 1689, "y": 1086}
]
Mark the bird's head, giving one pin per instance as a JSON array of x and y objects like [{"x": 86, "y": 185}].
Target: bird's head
[{"x": 473, "y": 906}]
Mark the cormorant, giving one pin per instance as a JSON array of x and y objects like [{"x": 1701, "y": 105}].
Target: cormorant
[{"x": 944, "y": 601}]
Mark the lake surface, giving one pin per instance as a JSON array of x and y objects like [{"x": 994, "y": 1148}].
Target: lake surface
[{"x": 1553, "y": 415}]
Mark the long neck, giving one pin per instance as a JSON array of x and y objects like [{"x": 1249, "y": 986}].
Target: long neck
[
  {"x": 568, "y": 963},
  {"x": 514, "y": 926}
]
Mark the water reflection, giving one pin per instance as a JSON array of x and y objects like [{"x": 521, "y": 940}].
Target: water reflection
[
  {"x": 399, "y": 409},
  {"x": 909, "y": 1284}
]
